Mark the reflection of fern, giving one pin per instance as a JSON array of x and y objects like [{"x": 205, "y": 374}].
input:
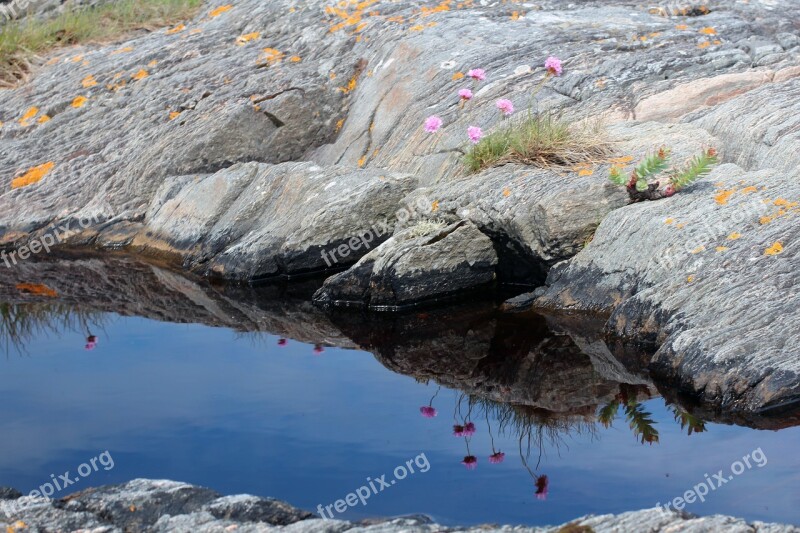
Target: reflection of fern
[
  {"x": 694, "y": 424},
  {"x": 641, "y": 422},
  {"x": 608, "y": 413},
  {"x": 20, "y": 323}
]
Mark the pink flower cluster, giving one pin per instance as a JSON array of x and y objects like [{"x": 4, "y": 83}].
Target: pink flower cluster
[
  {"x": 427, "y": 411},
  {"x": 91, "y": 342}
]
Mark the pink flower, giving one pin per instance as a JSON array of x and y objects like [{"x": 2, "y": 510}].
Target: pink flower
[
  {"x": 282, "y": 342},
  {"x": 477, "y": 74},
  {"x": 318, "y": 349},
  {"x": 475, "y": 134},
  {"x": 432, "y": 124},
  {"x": 470, "y": 461},
  {"x": 469, "y": 429},
  {"x": 541, "y": 487},
  {"x": 427, "y": 411},
  {"x": 505, "y": 106},
  {"x": 553, "y": 66},
  {"x": 669, "y": 190},
  {"x": 497, "y": 458},
  {"x": 465, "y": 94},
  {"x": 91, "y": 345},
  {"x": 458, "y": 431}
]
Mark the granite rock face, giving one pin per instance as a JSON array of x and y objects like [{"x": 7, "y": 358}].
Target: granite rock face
[
  {"x": 152, "y": 506},
  {"x": 409, "y": 268}
]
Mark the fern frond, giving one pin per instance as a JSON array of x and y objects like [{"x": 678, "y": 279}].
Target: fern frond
[
  {"x": 653, "y": 164},
  {"x": 697, "y": 168},
  {"x": 641, "y": 423}
]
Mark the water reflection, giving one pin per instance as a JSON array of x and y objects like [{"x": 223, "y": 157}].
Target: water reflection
[{"x": 22, "y": 322}]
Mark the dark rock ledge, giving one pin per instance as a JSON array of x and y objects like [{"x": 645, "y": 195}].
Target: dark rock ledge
[{"x": 159, "y": 505}]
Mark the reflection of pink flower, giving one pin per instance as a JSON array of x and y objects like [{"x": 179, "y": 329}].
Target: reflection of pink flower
[
  {"x": 505, "y": 106},
  {"x": 469, "y": 429},
  {"x": 432, "y": 124},
  {"x": 465, "y": 94},
  {"x": 91, "y": 342},
  {"x": 458, "y": 431},
  {"x": 497, "y": 458},
  {"x": 553, "y": 66},
  {"x": 318, "y": 349},
  {"x": 475, "y": 134},
  {"x": 541, "y": 487},
  {"x": 477, "y": 74},
  {"x": 427, "y": 411},
  {"x": 470, "y": 461},
  {"x": 282, "y": 342}
]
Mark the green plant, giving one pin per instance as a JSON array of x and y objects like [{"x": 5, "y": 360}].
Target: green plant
[
  {"x": 640, "y": 187},
  {"x": 23, "y": 41},
  {"x": 542, "y": 140}
]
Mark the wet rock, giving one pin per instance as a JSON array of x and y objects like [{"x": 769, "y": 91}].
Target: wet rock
[
  {"x": 8, "y": 493},
  {"x": 409, "y": 268}
]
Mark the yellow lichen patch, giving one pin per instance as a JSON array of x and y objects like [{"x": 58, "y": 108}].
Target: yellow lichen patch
[
  {"x": 680, "y": 226},
  {"x": 708, "y": 31},
  {"x": 339, "y": 124},
  {"x": 272, "y": 56},
  {"x": 585, "y": 172},
  {"x": 748, "y": 190},
  {"x": 723, "y": 196},
  {"x": 79, "y": 101},
  {"x": 416, "y": 27},
  {"x": 38, "y": 290},
  {"x": 43, "y": 119},
  {"x": 506, "y": 192},
  {"x": 32, "y": 176},
  {"x": 704, "y": 44},
  {"x": 362, "y": 161},
  {"x": 247, "y": 37},
  {"x": 295, "y": 59},
  {"x": 219, "y": 11},
  {"x": 457, "y": 76},
  {"x": 142, "y": 74},
  {"x": 29, "y": 114},
  {"x": 122, "y": 50},
  {"x": 152, "y": 64},
  {"x": 766, "y": 220},
  {"x": 435, "y": 205},
  {"x": 681, "y": 27},
  {"x": 177, "y": 29},
  {"x": 174, "y": 114},
  {"x": 716, "y": 42},
  {"x": 722, "y": 248},
  {"x": 351, "y": 85},
  {"x": 77, "y": 59},
  {"x": 698, "y": 250},
  {"x": 775, "y": 249},
  {"x": 515, "y": 15},
  {"x": 196, "y": 31},
  {"x": 690, "y": 279},
  {"x": 621, "y": 160},
  {"x": 89, "y": 81},
  {"x": 734, "y": 236},
  {"x": 669, "y": 221}
]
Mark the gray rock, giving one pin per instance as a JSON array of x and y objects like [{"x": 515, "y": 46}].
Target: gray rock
[{"x": 428, "y": 261}]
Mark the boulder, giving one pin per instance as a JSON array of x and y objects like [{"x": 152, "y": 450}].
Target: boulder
[{"x": 427, "y": 261}]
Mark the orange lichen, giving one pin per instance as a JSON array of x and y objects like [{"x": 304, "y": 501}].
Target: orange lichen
[
  {"x": 690, "y": 279},
  {"x": 435, "y": 205},
  {"x": 669, "y": 221},
  {"x": 351, "y": 85},
  {"x": 142, "y": 74},
  {"x": 734, "y": 236},
  {"x": 43, "y": 119},
  {"x": 219, "y": 11},
  {"x": 152, "y": 64},
  {"x": 89, "y": 81},
  {"x": 36, "y": 289},
  {"x": 506, "y": 192},
  {"x": 681, "y": 27},
  {"x": 339, "y": 124},
  {"x": 775, "y": 249},
  {"x": 29, "y": 114},
  {"x": 177, "y": 29},
  {"x": 766, "y": 219},
  {"x": 79, "y": 101},
  {"x": 295, "y": 59},
  {"x": 122, "y": 50},
  {"x": 621, "y": 160},
  {"x": 722, "y": 248},
  {"x": 723, "y": 196},
  {"x": 32, "y": 176},
  {"x": 698, "y": 250},
  {"x": 174, "y": 114},
  {"x": 457, "y": 76},
  {"x": 585, "y": 172},
  {"x": 247, "y": 37},
  {"x": 704, "y": 44},
  {"x": 708, "y": 31},
  {"x": 272, "y": 56},
  {"x": 748, "y": 190},
  {"x": 362, "y": 161}
]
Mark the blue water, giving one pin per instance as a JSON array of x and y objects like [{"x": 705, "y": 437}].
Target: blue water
[{"x": 241, "y": 414}]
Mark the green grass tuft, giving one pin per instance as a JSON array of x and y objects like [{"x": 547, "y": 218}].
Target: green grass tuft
[
  {"x": 23, "y": 42},
  {"x": 541, "y": 140}
]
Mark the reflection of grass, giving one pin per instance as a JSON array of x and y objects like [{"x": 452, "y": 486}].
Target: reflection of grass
[
  {"x": 21, "y": 323},
  {"x": 22, "y": 41}
]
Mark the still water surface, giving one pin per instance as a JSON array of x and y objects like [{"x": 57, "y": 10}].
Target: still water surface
[{"x": 248, "y": 413}]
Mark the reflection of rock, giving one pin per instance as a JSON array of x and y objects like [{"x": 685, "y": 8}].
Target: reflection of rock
[{"x": 410, "y": 268}]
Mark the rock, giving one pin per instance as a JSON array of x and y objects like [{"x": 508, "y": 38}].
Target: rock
[
  {"x": 409, "y": 268},
  {"x": 183, "y": 508},
  {"x": 8, "y": 493}
]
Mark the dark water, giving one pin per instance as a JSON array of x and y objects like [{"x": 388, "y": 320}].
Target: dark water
[{"x": 240, "y": 413}]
